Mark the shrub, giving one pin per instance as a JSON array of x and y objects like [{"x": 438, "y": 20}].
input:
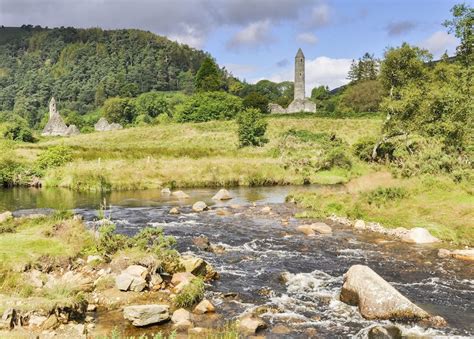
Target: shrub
[
  {"x": 257, "y": 101},
  {"x": 191, "y": 294},
  {"x": 336, "y": 157},
  {"x": 17, "y": 131},
  {"x": 363, "y": 96},
  {"x": 151, "y": 104},
  {"x": 119, "y": 110},
  {"x": 252, "y": 128},
  {"x": 209, "y": 106},
  {"x": 54, "y": 156},
  {"x": 364, "y": 147},
  {"x": 382, "y": 196},
  {"x": 109, "y": 242}
]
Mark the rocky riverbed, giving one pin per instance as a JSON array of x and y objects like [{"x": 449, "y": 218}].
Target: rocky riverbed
[{"x": 278, "y": 275}]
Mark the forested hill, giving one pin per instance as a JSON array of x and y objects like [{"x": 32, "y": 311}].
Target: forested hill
[{"x": 83, "y": 67}]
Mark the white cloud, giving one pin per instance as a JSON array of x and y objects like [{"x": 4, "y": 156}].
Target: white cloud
[
  {"x": 320, "y": 15},
  {"x": 253, "y": 35},
  {"x": 307, "y": 38},
  {"x": 189, "y": 36},
  {"x": 439, "y": 42},
  {"x": 319, "y": 71},
  {"x": 240, "y": 69}
]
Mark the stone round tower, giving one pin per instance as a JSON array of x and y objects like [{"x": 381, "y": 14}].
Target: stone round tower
[{"x": 299, "y": 75}]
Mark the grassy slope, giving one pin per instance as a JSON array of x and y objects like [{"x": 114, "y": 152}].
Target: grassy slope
[{"x": 190, "y": 155}]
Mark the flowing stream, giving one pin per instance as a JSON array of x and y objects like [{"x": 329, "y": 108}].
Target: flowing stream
[{"x": 259, "y": 247}]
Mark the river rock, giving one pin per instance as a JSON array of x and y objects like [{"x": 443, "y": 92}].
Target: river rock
[
  {"x": 180, "y": 315},
  {"x": 321, "y": 228},
  {"x": 5, "y": 216},
  {"x": 223, "y": 212},
  {"x": 166, "y": 191},
  {"x": 359, "y": 225},
  {"x": 202, "y": 242},
  {"x": 94, "y": 259},
  {"x": 143, "y": 315},
  {"x": 463, "y": 254},
  {"x": 174, "y": 210},
  {"x": 376, "y": 298},
  {"x": 385, "y": 332},
  {"x": 193, "y": 264},
  {"x": 197, "y": 331},
  {"x": 250, "y": 325},
  {"x": 133, "y": 279},
  {"x": 223, "y": 194},
  {"x": 306, "y": 229},
  {"x": 266, "y": 209},
  {"x": 419, "y": 235},
  {"x": 9, "y": 318},
  {"x": 180, "y": 195},
  {"x": 205, "y": 306},
  {"x": 199, "y": 206},
  {"x": 444, "y": 253},
  {"x": 50, "y": 323}
]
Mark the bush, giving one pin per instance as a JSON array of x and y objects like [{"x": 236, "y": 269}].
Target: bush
[
  {"x": 363, "y": 96},
  {"x": 119, "y": 110},
  {"x": 336, "y": 157},
  {"x": 364, "y": 147},
  {"x": 382, "y": 196},
  {"x": 151, "y": 104},
  {"x": 18, "y": 131},
  {"x": 209, "y": 106},
  {"x": 257, "y": 101},
  {"x": 54, "y": 156},
  {"x": 109, "y": 242},
  {"x": 251, "y": 128},
  {"x": 191, "y": 294}
]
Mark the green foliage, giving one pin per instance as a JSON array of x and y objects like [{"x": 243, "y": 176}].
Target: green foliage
[
  {"x": 119, "y": 110},
  {"x": 363, "y": 96},
  {"x": 54, "y": 156},
  {"x": 366, "y": 68},
  {"x": 191, "y": 294},
  {"x": 84, "y": 67},
  {"x": 17, "y": 130},
  {"x": 257, "y": 101},
  {"x": 251, "y": 128},
  {"x": 209, "y": 106},
  {"x": 384, "y": 195},
  {"x": 110, "y": 242},
  {"x": 320, "y": 93},
  {"x": 153, "y": 239},
  {"x": 208, "y": 78},
  {"x": 151, "y": 104},
  {"x": 462, "y": 25}
]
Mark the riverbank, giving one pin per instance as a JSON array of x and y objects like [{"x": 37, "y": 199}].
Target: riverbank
[{"x": 438, "y": 204}]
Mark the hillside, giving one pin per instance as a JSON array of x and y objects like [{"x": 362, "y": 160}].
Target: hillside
[{"x": 83, "y": 67}]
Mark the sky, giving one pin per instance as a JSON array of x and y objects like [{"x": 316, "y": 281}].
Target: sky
[{"x": 258, "y": 39}]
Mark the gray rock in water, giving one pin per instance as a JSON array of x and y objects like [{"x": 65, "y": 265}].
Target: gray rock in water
[
  {"x": 419, "y": 235},
  {"x": 103, "y": 125},
  {"x": 143, "y": 315},
  {"x": 199, "y": 206},
  {"x": 223, "y": 194},
  {"x": 376, "y": 298}
]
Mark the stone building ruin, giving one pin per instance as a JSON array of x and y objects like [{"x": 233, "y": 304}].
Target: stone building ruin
[
  {"x": 300, "y": 103},
  {"x": 56, "y": 125}
]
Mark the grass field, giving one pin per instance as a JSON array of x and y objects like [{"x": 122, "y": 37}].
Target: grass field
[{"x": 192, "y": 155}]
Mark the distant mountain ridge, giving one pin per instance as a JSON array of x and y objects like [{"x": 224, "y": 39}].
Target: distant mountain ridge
[{"x": 83, "y": 67}]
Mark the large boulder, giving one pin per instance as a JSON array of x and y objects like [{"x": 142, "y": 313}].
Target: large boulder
[
  {"x": 385, "y": 332},
  {"x": 198, "y": 266},
  {"x": 223, "y": 194},
  {"x": 376, "y": 298},
  {"x": 249, "y": 325},
  {"x": 467, "y": 254},
  {"x": 143, "y": 315},
  {"x": 205, "y": 306},
  {"x": 321, "y": 228},
  {"x": 419, "y": 235}
]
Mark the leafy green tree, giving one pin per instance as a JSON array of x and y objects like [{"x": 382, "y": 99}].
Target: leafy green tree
[
  {"x": 119, "y": 110},
  {"x": 366, "y": 68},
  {"x": 363, "y": 96},
  {"x": 17, "y": 130},
  {"x": 256, "y": 100},
  {"x": 209, "y": 106},
  {"x": 151, "y": 104},
  {"x": 208, "y": 78},
  {"x": 462, "y": 25},
  {"x": 320, "y": 93},
  {"x": 251, "y": 128}
]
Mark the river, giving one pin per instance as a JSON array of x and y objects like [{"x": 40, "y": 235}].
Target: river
[{"x": 260, "y": 247}]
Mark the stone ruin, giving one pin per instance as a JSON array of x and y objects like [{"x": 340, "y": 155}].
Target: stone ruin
[
  {"x": 103, "y": 125},
  {"x": 56, "y": 125},
  {"x": 300, "y": 103}
]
